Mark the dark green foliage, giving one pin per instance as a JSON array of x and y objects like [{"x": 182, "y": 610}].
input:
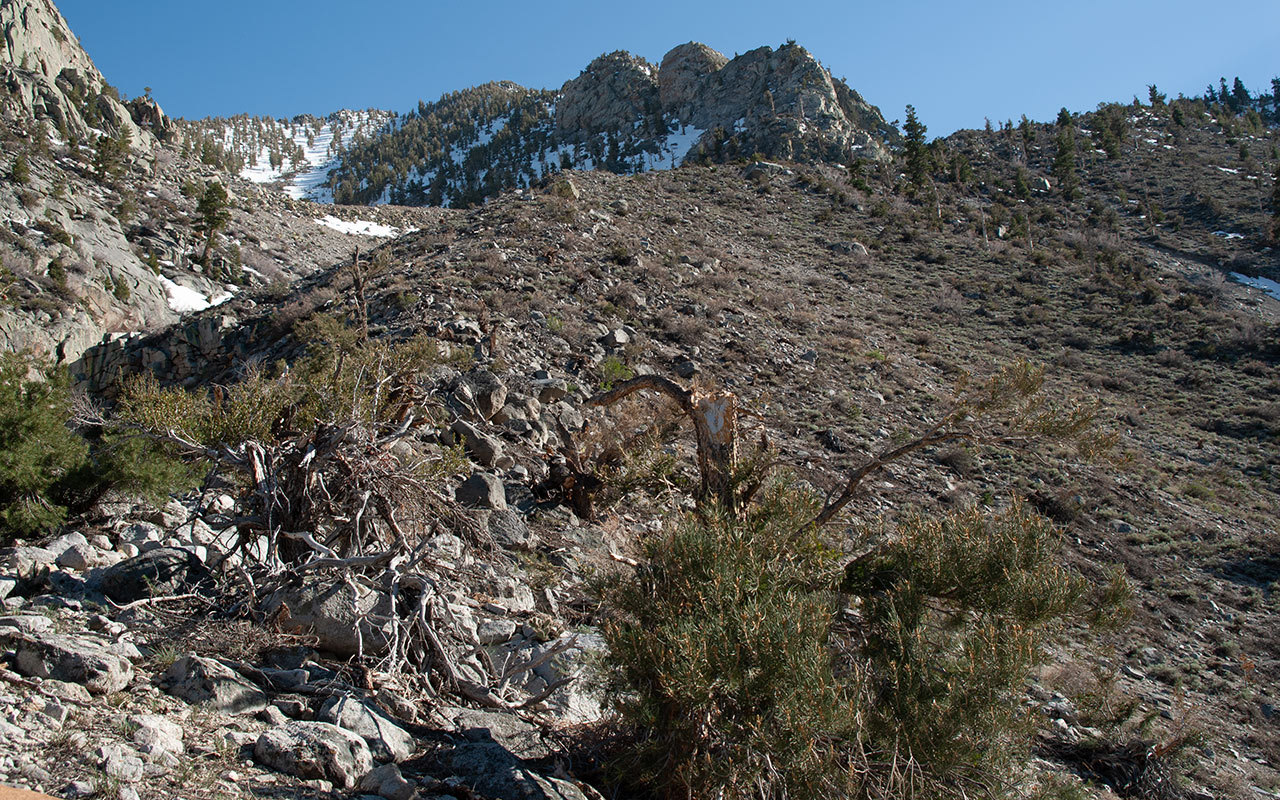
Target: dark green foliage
[
  {"x": 109, "y": 156},
  {"x": 1240, "y": 98},
  {"x": 1020, "y": 186},
  {"x": 1110, "y": 126},
  {"x": 1064, "y": 165},
  {"x": 1155, "y": 96},
  {"x": 37, "y": 449},
  {"x": 213, "y": 214},
  {"x": 20, "y": 172},
  {"x": 727, "y": 659},
  {"x": 915, "y": 149},
  {"x": 1064, "y": 118},
  {"x": 47, "y": 470}
]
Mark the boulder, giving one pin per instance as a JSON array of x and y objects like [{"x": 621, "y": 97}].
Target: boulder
[
  {"x": 164, "y": 570},
  {"x": 344, "y": 622},
  {"x": 487, "y": 391},
  {"x": 315, "y": 750},
  {"x": 482, "y": 448},
  {"x": 482, "y": 490},
  {"x": 154, "y": 734},
  {"x": 509, "y": 530},
  {"x": 490, "y": 770},
  {"x": 203, "y": 680},
  {"x": 82, "y": 557},
  {"x": 75, "y": 659},
  {"x": 612, "y": 93},
  {"x": 682, "y": 73},
  {"x": 522, "y": 739},
  {"x": 387, "y": 741},
  {"x": 26, "y": 562},
  {"x": 387, "y": 781},
  {"x": 120, "y": 762},
  {"x": 27, "y": 623}
]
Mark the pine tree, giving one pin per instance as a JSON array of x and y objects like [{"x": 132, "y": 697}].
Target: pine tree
[
  {"x": 20, "y": 172},
  {"x": 214, "y": 213},
  {"x": 1064, "y": 118},
  {"x": 1153, "y": 94},
  {"x": 1240, "y": 98},
  {"x": 1064, "y": 164},
  {"x": 915, "y": 148}
]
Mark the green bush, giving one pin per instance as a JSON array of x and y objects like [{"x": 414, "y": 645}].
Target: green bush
[
  {"x": 751, "y": 664},
  {"x": 47, "y": 470},
  {"x": 339, "y": 380},
  {"x": 37, "y": 449}
]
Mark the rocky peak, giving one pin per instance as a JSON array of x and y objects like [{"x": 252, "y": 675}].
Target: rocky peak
[
  {"x": 782, "y": 103},
  {"x": 683, "y": 71},
  {"x": 778, "y": 102},
  {"x": 37, "y": 38},
  {"x": 49, "y": 76},
  {"x": 613, "y": 92}
]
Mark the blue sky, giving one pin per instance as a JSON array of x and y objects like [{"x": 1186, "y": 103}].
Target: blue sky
[{"x": 956, "y": 62}]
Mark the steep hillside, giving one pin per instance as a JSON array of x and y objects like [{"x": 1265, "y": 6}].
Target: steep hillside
[
  {"x": 101, "y": 226},
  {"x": 412, "y": 493},
  {"x": 621, "y": 114},
  {"x": 298, "y": 153},
  {"x": 843, "y": 308}
]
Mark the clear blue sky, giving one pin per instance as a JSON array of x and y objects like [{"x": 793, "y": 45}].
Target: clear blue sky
[{"x": 957, "y": 62}]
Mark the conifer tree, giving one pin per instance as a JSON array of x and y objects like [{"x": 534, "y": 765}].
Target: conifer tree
[
  {"x": 1064, "y": 165},
  {"x": 214, "y": 214},
  {"x": 915, "y": 148},
  {"x": 1240, "y": 98},
  {"x": 20, "y": 172}
]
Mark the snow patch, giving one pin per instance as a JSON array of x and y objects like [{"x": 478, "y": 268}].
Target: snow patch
[
  {"x": 1265, "y": 284},
  {"x": 360, "y": 227},
  {"x": 184, "y": 299}
]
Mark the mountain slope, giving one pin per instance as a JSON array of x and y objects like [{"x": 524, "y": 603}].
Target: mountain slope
[{"x": 622, "y": 114}]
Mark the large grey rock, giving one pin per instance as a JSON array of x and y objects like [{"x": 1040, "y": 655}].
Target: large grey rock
[
  {"x": 522, "y": 739},
  {"x": 489, "y": 769},
  {"x": 683, "y": 71},
  {"x": 612, "y": 93},
  {"x": 65, "y": 542},
  {"x": 387, "y": 741},
  {"x": 155, "y": 735},
  {"x": 165, "y": 570},
  {"x": 120, "y": 762},
  {"x": 82, "y": 557},
  {"x": 577, "y": 702},
  {"x": 26, "y": 561},
  {"x": 342, "y": 620},
  {"x": 27, "y": 623},
  {"x": 203, "y": 680},
  {"x": 482, "y": 490},
  {"x": 482, "y": 448},
  {"x": 315, "y": 750},
  {"x": 75, "y": 659},
  {"x": 387, "y": 781},
  {"x": 487, "y": 391},
  {"x": 509, "y": 530}
]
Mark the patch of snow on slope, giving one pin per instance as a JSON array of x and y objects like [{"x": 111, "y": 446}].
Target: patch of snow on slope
[
  {"x": 359, "y": 227},
  {"x": 184, "y": 299},
  {"x": 1265, "y": 284}
]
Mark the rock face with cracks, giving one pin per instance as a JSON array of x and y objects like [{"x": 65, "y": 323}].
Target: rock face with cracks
[{"x": 315, "y": 750}]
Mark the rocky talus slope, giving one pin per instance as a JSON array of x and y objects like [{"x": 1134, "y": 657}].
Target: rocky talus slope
[{"x": 840, "y": 321}]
